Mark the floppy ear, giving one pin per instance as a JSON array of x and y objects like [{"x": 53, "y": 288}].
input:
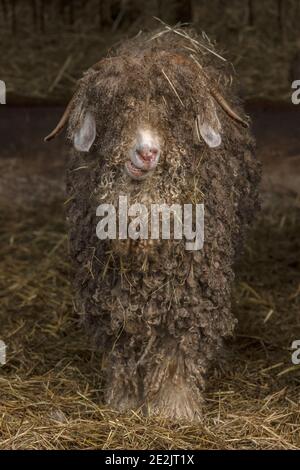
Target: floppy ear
[
  {"x": 210, "y": 135},
  {"x": 209, "y": 127},
  {"x": 84, "y": 137}
]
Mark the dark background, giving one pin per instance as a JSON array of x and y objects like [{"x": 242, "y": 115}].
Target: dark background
[{"x": 45, "y": 45}]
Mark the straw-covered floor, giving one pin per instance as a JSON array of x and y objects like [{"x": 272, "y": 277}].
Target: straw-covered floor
[{"x": 51, "y": 385}]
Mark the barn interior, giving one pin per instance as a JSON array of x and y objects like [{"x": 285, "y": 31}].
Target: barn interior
[{"x": 50, "y": 384}]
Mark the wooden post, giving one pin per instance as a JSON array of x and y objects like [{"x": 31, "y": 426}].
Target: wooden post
[
  {"x": 250, "y": 13},
  {"x": 14, "y": 16}
]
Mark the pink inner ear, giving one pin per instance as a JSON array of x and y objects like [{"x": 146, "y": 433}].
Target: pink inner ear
[{"x": 85, "y": 136}]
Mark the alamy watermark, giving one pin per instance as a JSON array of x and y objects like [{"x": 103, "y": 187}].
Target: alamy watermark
[
  {"x": 296, "y": 353},
  {"x": 296, "y": 94},
  {"x": 2, "y": 92},
  {"x": 138, "y": 223},
  {"x": 2, "y": 353}
]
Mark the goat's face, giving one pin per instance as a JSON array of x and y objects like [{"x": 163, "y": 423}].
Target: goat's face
[
  {"x": 135, "y": 105},
  {"x": 143, "y": 155},
  {"x": 135, "y": 111},
  {"x": 141, "y": 151}
]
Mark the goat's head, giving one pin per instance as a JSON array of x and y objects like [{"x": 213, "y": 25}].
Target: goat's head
[{"x": 125, "y": 99}]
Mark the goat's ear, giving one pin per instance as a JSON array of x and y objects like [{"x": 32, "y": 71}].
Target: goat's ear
[
  {"x": 209, "y": 127},
  {"x": 84, "y": 137},
  {"x": 210, "y": 135}
]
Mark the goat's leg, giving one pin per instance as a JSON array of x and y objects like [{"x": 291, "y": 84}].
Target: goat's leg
[
  {"x": 122, "y": 383},
  {"x": 173, "y": 386}
]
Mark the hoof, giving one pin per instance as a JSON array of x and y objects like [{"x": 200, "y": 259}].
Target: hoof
[
  {"x": 177, "y": 403},
  {"x": 122, "y": 402}
]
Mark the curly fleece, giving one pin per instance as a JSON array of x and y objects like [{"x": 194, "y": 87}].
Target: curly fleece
[{"x": 159, "y": 313}]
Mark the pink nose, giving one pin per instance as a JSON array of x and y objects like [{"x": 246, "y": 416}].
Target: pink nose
[{"x": 147, "y": 153}]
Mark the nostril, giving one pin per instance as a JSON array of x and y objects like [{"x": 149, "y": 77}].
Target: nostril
[{"x": 147, "y": 153}]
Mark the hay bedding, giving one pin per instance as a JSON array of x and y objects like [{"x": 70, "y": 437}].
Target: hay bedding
[{"x": 51, "y": 388}]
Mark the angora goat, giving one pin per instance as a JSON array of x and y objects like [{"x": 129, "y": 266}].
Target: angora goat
[{"x": 157, "y": 121}]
